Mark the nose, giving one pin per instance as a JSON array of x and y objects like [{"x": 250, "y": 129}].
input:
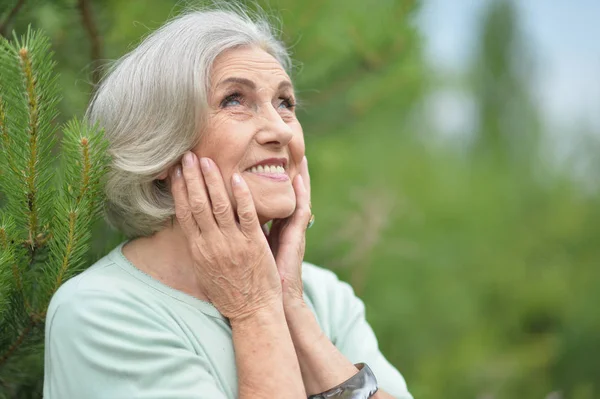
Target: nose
[{"x": 273, "y": 130}]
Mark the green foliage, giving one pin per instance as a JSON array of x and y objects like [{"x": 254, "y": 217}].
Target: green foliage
[
  {"x": 508, "y": 125},
  {"x": 29, "y": 96},
  {"x": 478, "y": 267},
  {"x": 45, "y": 229}
]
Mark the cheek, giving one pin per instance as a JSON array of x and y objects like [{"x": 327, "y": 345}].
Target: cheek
[
  {"x": 297, "y": 146},
  {"x": 226, "y": 146},
  {"x": 297, "y": 152},
  {"x": 226, "y": 142}
]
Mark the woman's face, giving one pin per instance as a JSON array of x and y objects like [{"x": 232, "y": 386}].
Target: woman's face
[{"x": 252, "y": 129}]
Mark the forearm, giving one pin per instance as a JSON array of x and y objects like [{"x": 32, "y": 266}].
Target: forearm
[
  {"x": 323, "y": 366},
  {"x": 266, "y": 361}
]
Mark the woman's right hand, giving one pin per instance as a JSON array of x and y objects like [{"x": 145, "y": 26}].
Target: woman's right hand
[{"x": 235, "y": 267}]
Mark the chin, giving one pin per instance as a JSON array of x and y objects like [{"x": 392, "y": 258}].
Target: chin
[{"x": 267, "y": 212}]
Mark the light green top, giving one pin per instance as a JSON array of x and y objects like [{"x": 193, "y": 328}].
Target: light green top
[{"x": 115, "y": 332}]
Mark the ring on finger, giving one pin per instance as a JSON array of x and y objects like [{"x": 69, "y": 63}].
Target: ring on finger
[{"x": 311, "y": 221}]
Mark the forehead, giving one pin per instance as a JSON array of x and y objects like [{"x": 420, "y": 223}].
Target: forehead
[{"x": 247, "y": 62}]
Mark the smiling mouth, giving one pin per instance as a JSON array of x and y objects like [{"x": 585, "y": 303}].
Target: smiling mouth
[
  {"x": 274, "y": 171},
  {"x": 269, "y": 169}
]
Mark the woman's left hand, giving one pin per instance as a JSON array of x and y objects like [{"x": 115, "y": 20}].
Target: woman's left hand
[{"x": 287, "y": 239}]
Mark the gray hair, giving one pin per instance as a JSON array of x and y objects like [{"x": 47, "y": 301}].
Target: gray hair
[{"x": 152, "y": 101}]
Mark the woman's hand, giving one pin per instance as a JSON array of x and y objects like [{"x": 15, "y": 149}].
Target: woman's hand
[
  {"x": 232, "y": 260},
  {"x": 287, "y": 239}
]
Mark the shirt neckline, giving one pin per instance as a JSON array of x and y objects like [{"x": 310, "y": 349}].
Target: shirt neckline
[{"x": 117, "y": 256}]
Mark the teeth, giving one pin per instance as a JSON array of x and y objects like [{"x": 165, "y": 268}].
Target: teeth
[{"x": 275, "y": 169}]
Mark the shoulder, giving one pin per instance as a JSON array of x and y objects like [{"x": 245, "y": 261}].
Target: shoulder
[
  {"x": 323, "y": 286},
  {"x": 102, "y": 298},
  {"x": 110, "y": 335},
  {"x": 341, "y": 315},
  {"x": 318, "y": 279},
  {"x": 315, "y": 275},
  {"x": 332, "y": 299},
  {"x": 104, "y": 280}
]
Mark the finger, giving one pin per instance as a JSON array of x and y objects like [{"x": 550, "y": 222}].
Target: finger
[
  {"x": 246, "y": 211},
  {"x": 299, "y": 220},
  {"x": 221, "y": 204},
  {"x": 305, "y": 175},
  {"x": 276, "y": 229},
  {"x": 197, "y": 194},
  {"x": 183, "y": 211},
  {"x": 292, "y": 233}
]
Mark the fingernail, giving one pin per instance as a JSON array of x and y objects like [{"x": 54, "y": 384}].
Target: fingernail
[
  {"x": 205, "y": 164},
  {"x": 188, "y": 159},
  {"x": 236, "y": 179},
  {"x": 178, "y": 171}
]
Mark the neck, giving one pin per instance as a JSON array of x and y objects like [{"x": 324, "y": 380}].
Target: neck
[{"x": 165, "y": 256}]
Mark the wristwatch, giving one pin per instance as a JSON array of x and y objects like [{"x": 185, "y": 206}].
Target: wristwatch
[{"x": 361, "y": 385}]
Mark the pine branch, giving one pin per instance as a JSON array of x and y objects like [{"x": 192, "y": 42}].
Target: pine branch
[
  {"x": 6, "y": 286},
  {"x": 85, "y": 163},
  {"x": 4, "y": 139},
  {"x": 68, "y": 250},
  {"x": 85, "y": 171},
  {"x": 10, "y": 274},
  {"x": 6, "y": 161},
  {"x": 33, "y": 141},
  {"x": 73, "y": 215},
  {"x": 6, "y": 229},
  {"x": 28, "y": 98},
  {"x": 6, "y": 226},
  {"x": 18, "y": 342},
  {"x": 28, "y": 87},
  {"x": 12, "y": 292},
  {"x": 44, "y": 232},
  {"x": 16, "y": 325}
]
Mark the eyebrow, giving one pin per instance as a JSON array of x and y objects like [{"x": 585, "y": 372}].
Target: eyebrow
[{"x": 247, "y": 82}]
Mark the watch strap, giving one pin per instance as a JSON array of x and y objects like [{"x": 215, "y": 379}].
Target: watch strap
[{"x": 361, "y": 385}]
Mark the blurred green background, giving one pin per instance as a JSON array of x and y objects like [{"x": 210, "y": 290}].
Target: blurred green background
[{"x": 478, "y": 255}]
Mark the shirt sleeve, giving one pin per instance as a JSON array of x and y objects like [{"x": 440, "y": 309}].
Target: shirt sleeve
[
  {"x": 103, "y": 347},
  {"x": 349, "y": 330}
]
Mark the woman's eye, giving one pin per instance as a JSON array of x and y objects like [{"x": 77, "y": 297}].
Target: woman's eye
[
  {"x": 286, "y": 103},
  {"x": 232, "y": 100}
]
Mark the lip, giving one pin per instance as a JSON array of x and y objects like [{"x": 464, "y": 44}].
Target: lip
[
  {"x": 271, "y": 161},
  {"x": 282, "y": 177},
  {"x": 274, "y": 162}
]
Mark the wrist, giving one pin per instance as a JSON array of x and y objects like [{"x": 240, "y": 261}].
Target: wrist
[
  {"x": 292, "y": 292},
  {"x": 294, "y": 303},
  {"x": 269, "y": 313},
  {"x": 323, "y": 365},
  {"x": 303, "y": 325}
]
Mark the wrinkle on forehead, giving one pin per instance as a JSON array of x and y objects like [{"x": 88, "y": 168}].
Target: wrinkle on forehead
[{"x": 252, "y": 63}]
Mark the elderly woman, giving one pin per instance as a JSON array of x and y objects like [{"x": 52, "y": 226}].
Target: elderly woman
[{"x": 201, "y": 301}]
